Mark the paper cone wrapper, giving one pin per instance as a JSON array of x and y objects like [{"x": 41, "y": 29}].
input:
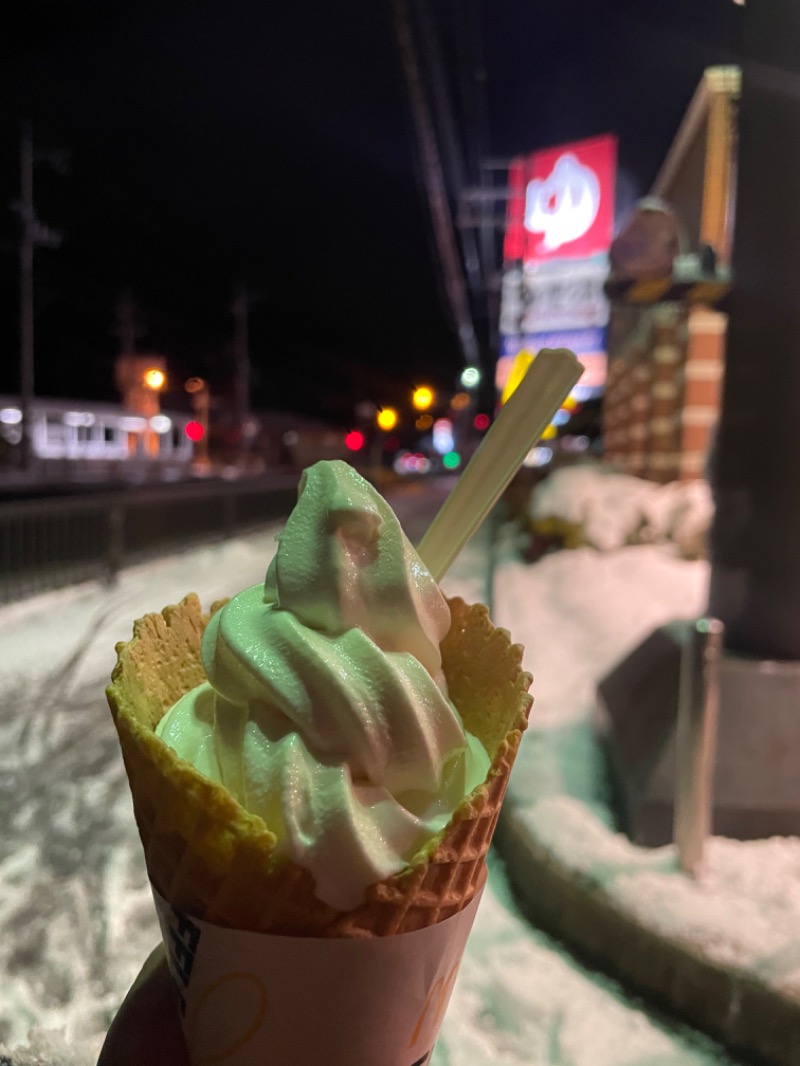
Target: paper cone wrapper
[{"x": 253, "y": 999}]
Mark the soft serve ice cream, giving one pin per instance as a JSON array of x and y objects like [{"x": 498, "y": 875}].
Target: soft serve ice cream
[{"x": 326, "y": 710}]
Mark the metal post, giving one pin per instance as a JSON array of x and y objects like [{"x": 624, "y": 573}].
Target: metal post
[
  {"x": 115, "y": 551},
  {"x": 696, "y": 740},
  {"x": 229, "y": 514}
]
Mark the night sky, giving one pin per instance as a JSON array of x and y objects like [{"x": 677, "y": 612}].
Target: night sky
[{"x": 218, "y": 141}]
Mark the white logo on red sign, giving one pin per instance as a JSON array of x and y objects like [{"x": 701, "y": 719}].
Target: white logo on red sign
[{"x": 563, "y": 205}]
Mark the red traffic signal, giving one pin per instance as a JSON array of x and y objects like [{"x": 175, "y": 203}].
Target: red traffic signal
[
  {"x": 194, "y": 431},
  {"x": 481, "y": 422},
  {"x": 354, "y": 440}
]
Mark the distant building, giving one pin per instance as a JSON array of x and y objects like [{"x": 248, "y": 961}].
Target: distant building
[{"x": 83, "y": 431}]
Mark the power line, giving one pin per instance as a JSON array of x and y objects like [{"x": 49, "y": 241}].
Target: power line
[
  {"x": 451, "y": 147},
  {"x": 444, "y": 231}
]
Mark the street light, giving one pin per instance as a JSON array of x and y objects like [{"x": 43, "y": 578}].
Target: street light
[
  {"x": 387, "y": 418},
  {"x": 422, "y": 397},
  {"x": 470, "y": 377},
  {"x": 154, "y": 378},
  {"x": 144, "y": 397}
]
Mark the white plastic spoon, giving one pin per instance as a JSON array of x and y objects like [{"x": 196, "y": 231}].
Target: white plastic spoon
[{"x": 519, "y": 425}]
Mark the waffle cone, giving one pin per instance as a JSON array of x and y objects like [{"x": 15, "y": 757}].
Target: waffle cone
[{"x": 212, "y": 859}]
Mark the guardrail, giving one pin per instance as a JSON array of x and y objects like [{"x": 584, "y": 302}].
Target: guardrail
[{"x": 49, "y": 543}]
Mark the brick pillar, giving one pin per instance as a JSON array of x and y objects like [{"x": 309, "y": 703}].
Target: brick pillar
[
  {"x": 614, "y": 412},
  {"x": 705, "y": 357},
  {"x": 610, "y": 410},
  {"x": 665, "y": 392},
  {"x": 639, "y": 410},
  {"x": 623, "y": 425}
]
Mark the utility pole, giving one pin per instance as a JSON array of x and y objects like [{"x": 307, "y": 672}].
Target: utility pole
[
  {"x": 33, "y": 234},
  {"x": 443, "y": 230},
  {"x": 241, "y": 354},
  {"x": 451, "y": 150},
  {"x": 472, "y": 68},
  {"x": 26, "y": 213},
  {"x": 129, "y": 324}
]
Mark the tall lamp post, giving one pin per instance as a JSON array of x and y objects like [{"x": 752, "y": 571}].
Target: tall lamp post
[{"x": 154, "y": 380}]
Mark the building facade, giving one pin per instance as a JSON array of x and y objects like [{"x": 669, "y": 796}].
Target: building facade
[{"x": 667, "y": 330}]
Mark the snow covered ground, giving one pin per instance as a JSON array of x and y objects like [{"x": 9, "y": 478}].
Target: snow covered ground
[{"x": 76, "y": 917}]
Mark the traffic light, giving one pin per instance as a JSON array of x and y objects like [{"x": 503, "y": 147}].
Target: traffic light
[{"x": 354, "y": 440}]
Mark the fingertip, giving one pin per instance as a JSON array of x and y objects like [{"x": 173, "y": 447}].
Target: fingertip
[{"x": 147, "y": 1026}]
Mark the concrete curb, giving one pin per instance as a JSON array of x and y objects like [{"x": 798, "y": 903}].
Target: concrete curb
[{"x": 748, "y": 1016}]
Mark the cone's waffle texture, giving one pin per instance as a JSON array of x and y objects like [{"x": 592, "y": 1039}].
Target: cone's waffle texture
[{"x": 211, "y": 859}]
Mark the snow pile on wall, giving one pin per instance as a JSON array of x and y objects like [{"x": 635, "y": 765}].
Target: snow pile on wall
[{"x": 616, "y": 509}]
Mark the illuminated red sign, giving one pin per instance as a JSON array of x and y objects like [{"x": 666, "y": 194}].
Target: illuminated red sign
[{"x": 561, "y": 202}]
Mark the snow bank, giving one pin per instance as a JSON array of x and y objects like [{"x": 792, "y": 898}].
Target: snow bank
[
  {"x": 743, "y": 912},
  {"x": 614, "y": 509}
]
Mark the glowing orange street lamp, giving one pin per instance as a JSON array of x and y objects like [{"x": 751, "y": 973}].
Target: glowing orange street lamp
[
  {"x": 422, "y": 398},
  {"x": 386, "y": 419},
  {"x": 193, "y": 385},
  {"x": 152, "y": 381},
  {"x": 154, "y": 378}
]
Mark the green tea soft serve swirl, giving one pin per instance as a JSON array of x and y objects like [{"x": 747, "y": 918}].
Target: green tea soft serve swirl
[{"x": 326, "y": 711}]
